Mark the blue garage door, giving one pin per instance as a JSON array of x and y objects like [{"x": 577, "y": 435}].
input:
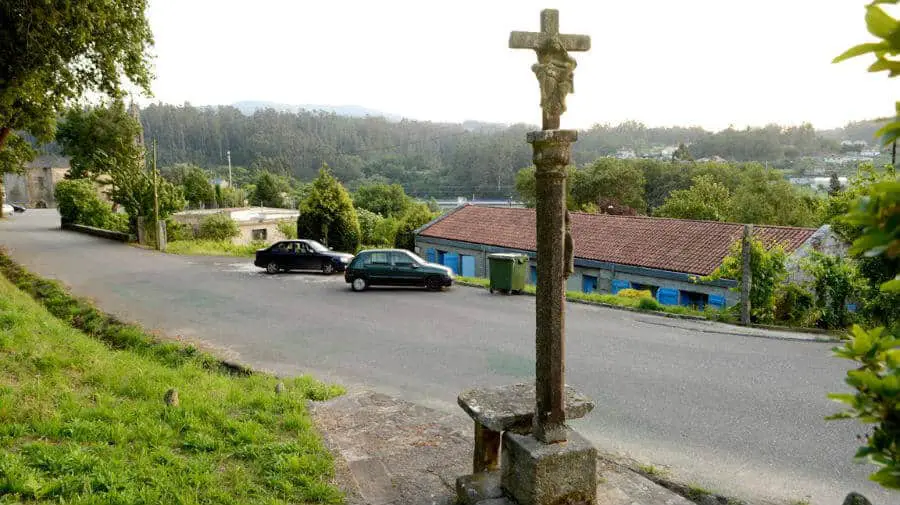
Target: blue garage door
[
  {"x": 451, "y": 259},
  {"x": 619, "y": 285},
  {"x": 717, "y": 301},
  {"x": 430, "y": 255},
  {"x": 588, "y": 283},
  {"x": 468, "y": 265},
  {"x": 667, "y": 296}
]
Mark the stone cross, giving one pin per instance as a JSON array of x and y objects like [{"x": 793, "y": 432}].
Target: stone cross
[
  {"x": 555, "y": 67},
  {"x": 552, "y": 153}
]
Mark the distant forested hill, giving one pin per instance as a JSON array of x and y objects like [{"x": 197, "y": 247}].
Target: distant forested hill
[{"x": 436, "y": 159}]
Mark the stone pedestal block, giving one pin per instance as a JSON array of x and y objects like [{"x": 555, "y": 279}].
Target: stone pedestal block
[
  {"x": 476, "y": 488},
  {"x": 535, "y": 473}
]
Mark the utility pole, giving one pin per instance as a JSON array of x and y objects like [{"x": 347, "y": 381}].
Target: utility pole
[
  {"x": 228, "y": 153},
  {"x": 156, "y": 197},
  {"x": 746, "y": 274}
]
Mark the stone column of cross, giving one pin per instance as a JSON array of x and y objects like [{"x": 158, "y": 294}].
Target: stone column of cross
[{"x": 552, "y": 151}]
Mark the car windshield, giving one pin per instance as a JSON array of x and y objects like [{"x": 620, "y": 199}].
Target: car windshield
[{"x": 317, "y": 247}]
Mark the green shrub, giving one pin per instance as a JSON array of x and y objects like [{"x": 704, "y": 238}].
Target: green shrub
[
  {"x": 218, "y": 227},
  {"x": 794, "y": 305},
  {"x": 288, "y": 229},
  {"x": 649, "y": 304},
  {"x": 78, "y": 203},
  {"x": 768, "y": 270},
  {"x": 385, "y": 232},
  {"x": 118, "y": 222},
  {"x": 635, "y": 293},
  {"x": 177, "y": 231},
  {"x": 836, "y": 282},
  {"x": 368, "y": 223},
  {"x": 417, "y": 216}
]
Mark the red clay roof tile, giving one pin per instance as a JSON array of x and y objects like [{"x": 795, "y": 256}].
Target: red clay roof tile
[{"x": 678, "y": 245}]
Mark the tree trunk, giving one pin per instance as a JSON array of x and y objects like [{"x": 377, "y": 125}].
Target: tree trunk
[{"x": 4, "y": 134}]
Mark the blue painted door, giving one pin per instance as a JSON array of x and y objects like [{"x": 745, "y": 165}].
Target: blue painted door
[
  {"x": 430, "y": 255},
  {"x": 533, "y": 270},
  {"x": 717, "y": 301},
  {"x": 588, "y": 283},
  {"x": 667, "y": 296},
  {"x": 451, "y": 259},
  {"x": 468, "y": 266},
  {"x": 619, "y": 285}
]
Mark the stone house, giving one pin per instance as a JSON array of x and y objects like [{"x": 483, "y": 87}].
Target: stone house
[
  {"x": 664, "y": 256},
  {"x": 255, "y": 223},
  {"x": 34, "y": 187}
]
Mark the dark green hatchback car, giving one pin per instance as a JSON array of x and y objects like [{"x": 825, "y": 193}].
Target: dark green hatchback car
[{"x": 395, "y": 267}]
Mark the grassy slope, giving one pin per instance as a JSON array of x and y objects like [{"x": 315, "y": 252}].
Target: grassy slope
[{"x": 83, "y": 423}]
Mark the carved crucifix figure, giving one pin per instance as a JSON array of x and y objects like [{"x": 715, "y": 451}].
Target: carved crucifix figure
[
  {"x": 555, "y": 248},
  {"x": 555, "y": 68}
]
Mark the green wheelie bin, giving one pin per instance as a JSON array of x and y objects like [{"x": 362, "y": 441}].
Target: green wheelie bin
[{"x": 508, "y": 272}]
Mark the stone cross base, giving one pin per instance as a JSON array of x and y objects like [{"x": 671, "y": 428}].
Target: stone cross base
[
  {"x": 508, "y": 411},
  {"x": 535, "y": 473}
]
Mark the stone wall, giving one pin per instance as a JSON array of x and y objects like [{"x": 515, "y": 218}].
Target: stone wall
[{"x": 34, "y": 188}]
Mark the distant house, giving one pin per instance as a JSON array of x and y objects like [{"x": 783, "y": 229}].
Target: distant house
[
  {"x": 35, "y": 186},
  {"x": 611, "y": 252},
  {"x": 254, "y": 223}
]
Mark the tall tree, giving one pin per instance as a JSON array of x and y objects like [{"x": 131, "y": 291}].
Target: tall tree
[
  {"x": 706, "y": 199},
  {"x": 197, "y": 188},
  {"x": 327, "y": 214},
  {"x": 100, "y": 140},
  {"x": 834, "y": 184},
  {"x": 386, "y": 200},
  {"x": 268, "y": 192},
  {"x": 57, "y": 50}
]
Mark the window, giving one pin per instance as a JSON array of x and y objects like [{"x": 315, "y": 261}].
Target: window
[
  {"x": 259, "y": 234},
  {"x": 281, "y": 247},
  {"x": 645, "y": 287},
  {"x": 533, "y": 269},
  {"x": 378, "y": 258},
  {"x": 694, "y": 299},
  {"x": 315, "y": 246},
  {"x": 401, "y": 259}
]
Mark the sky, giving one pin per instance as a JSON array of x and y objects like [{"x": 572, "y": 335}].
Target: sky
[{"x": 710, "y": 63}]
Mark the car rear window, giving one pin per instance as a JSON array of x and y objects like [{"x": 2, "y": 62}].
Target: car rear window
[{"x": 378, "y": 258}]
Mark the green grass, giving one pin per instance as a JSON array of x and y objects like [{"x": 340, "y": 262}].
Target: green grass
[
  {"x": 645, "y": 304},
  {"x": 82, "y": 418},
  {"x": 695, "y": 492},
  {"x": 211, "y": 248},
  {"x": 652, "y": 470}
]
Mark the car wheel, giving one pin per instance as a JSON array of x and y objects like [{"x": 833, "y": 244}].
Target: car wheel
[
  {"x": 359, "y": 284},
  {"x": 433, "y": 283},
  {"x": 327, "y": 268},
  {"x": 272, "y": 268}
]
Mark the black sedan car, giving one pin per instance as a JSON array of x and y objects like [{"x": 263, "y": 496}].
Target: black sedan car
[{"x": 301, "y": 255}]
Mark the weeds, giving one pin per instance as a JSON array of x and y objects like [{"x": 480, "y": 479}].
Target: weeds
[{"x": 212, "y": 248}]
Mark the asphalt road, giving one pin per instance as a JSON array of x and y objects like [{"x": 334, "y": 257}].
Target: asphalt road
[{"x": 738, "y": 414}]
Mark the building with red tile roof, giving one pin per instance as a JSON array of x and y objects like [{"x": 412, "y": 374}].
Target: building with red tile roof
[{"x": 611, "y": 252}]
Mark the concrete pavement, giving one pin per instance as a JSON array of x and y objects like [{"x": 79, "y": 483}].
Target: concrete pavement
[{"x": 742, "y": 416}]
